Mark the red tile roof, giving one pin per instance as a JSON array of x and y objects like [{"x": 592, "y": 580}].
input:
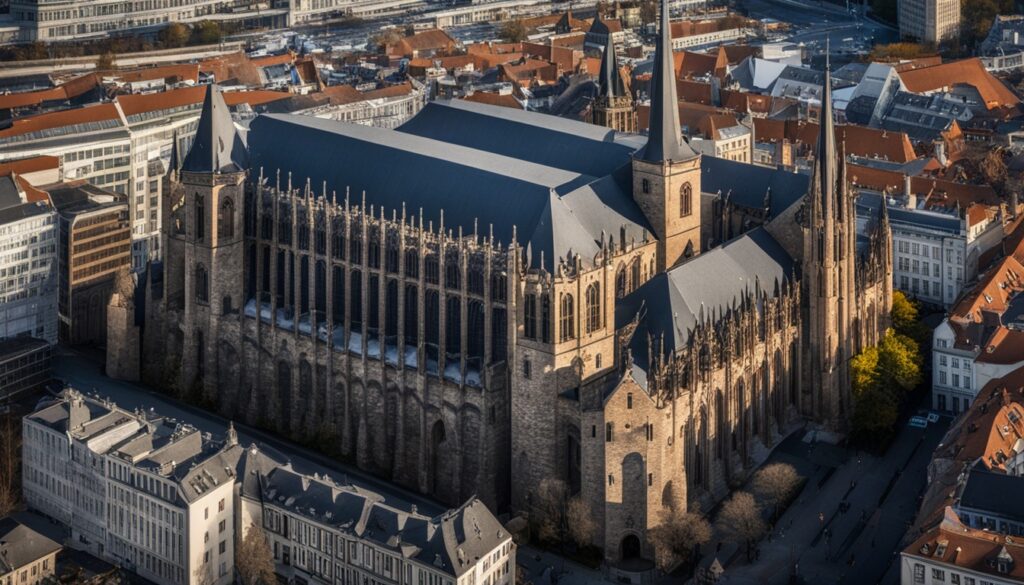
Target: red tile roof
[
  {"x": 176, "y": 98},
  {"x": 91, "y": 113},
  {"x": 967, "y": 72},
  {"x": 65, "y": 91},
  {"x": 952, "y": 543}
]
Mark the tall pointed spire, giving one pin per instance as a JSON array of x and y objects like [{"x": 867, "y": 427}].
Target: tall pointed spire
[
  {"x": 664, "y": 141},
  {"x": 217, "y": 147},
  {"x": 825, "y": 161},
  {"x": 611, "y": 80}
]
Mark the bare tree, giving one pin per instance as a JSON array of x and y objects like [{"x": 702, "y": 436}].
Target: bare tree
[
  {"x": 10, "y": 466},
  {"x": 776, "y": 483},
  {"x": 740, "y": 521},
  {"x": 549, "y": 510},
  {"x": 580, "y": 522},
  {"x": 676, "y": 537},
  {"x": 253, "y": 560}
]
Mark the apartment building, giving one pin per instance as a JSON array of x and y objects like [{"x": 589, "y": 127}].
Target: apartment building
[
  {"x": 982, "y": 339},
  {"x": 123, "y": 146},
  {"x": 321, "y": 531},
  {"x": 26, "y": 556},
  {"x": 158, "y": 497},
  {"x": 28, "y": 262},
  {"x": 80, "y": 19},
  {"x": 929, "y": 21},
  {"x": 95, "y": 244}
]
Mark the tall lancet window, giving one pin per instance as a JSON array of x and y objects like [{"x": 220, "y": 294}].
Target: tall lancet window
[
  {"x": 567, "y": 319},
  {"x": 593, "y": 307},
  {"x": 685, "y": 200},
  {"x": 200, "y": 218}
]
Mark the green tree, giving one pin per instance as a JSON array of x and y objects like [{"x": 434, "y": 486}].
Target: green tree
[
  {"x": 512, "y": 31},
  {"x": 904, "y": 312},
  {"x": 874, "y": 417},
  {"x": 899, "y": 362},
  {"x": 207, "y": 32},
  {"x": 864, "y": 371},
  {"x": 174, "y": 35},
  {"x": 977, "y": 16}
]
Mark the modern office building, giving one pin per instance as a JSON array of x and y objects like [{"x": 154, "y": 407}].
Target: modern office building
[{"x": 929, "y": 21}]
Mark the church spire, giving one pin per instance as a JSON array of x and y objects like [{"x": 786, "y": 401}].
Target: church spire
[
  {"x": 610, "y": 80},
  {"x": 825, "y": 161},
  {"x": 664, "y": 142},
  {"x": 217, "y": 147}
]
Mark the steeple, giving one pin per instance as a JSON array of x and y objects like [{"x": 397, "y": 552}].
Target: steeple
[
  {"x": 664, "y": 142},
  {"x": 610, "y": 80},
  {"x": 825, "y": 160},
  {"x": 217, "y": 147}
]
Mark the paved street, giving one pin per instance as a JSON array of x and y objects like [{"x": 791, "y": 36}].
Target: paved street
[
  {"x": 882, "y": 496},
  {"x": 814, "y": 21}
]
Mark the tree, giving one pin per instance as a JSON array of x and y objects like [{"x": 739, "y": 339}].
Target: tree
[
  {"x": 904, "y": 313},
  {"x": 977, "y": 17},
  {"x": 512, "y": 31},
  {"x": 174, "y": 35},
  {"x": 207, "y": 32},
  {"x": 579, "y": 520},
  {"x": 254, "y": 562},
  {"x": 776, "y": 483},
  {"x": 677, "y": 536},
  {"x": 740, "y": 521},
  {"x": 864, "y": 371},
  {"x": 10, "y": 465},
  {"x": 105, "y": 62},
  {"x": 549, "y": 510},
  {"x": 648, "y": 11},
  {"x": 900, "y": 51},
  {"x": 874, "y": 417},
  {"x": 899, "y": 361}
]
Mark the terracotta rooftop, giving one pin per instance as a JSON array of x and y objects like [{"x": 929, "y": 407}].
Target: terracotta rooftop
[
  {"x": 271, "y": 60},
  {"x": 494, "y": 99},
  {"x": 690, "y": 64},
  {"x": 952, "y": 543},
  {"x": 694, "y": 91},
  {"x": 432, "y": 39},
  {"x": 65, "y": 91},
  {"x": 176, "y": 98},
  {"x": 175, "y": 73},
  {"x": 940, "y": 194},
  {"x": 964, "y": 72},
  {"x": 29, "y": 165},
  {"x": 859, "y": 140},
  {"x": 58, "y": 119}
]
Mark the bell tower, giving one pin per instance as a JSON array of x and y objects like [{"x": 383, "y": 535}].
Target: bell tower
[
  {"x": 666, "y": 171},
  {"x": 613, "y": 107},
  {"x": 212, "y": 177}
]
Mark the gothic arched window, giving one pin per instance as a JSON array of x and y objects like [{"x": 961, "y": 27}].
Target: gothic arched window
[
  {"x": 202, "y": 285},
  {"x": 226, "y": 219},
  {"x": 593, "y": 307},
  {"x": 530, "y": 317},
  {"x": 685, "y": 200},
  {"x": 200, "y": 218},
  {"x": 567, "y": 319}
]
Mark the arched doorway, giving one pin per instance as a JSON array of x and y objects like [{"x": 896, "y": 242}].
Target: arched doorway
[{"x": 630, "y": 547}]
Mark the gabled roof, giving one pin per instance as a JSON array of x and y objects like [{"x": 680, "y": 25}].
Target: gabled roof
[
  {"x": 609, "y": 77},
  {"x": 671, "y": 304},
  {"x": 752, "y": 185},
  {"x": 491, "y": 172},
  {"x": 967, "y": 72},
  {"x": 217, "y": 147}
]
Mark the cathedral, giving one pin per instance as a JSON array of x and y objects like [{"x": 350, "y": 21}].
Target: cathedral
[{"x": 482, "y": 298}]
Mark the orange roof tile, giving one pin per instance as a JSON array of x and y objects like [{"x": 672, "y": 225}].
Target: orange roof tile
[
  {"x": 494, "y": 99},
  {"x": 67, "y": 90},
  {"x": 270, "y": 60},
  {"x": 177, "y": 72},
  {"x": 967, "y": 72},
  {"x": 176, "y": 98},
  {"x": 694, "y": 91},
  {"x": 29, "y": 165},
  {"x": 953, "y": 543},
  {"x": 91, "y": 113},
  {"x": 858, "y": 140}
]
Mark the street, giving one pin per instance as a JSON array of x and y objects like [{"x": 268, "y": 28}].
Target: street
[
  {"x": 813, "y": 22},
  {"x": 826, "y": 545}
]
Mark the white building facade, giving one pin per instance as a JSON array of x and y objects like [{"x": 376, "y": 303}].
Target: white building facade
[{"x": 29, "y": 287}]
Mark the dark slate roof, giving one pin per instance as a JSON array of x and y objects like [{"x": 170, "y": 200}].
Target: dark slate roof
[
  {"x": 996, "y": 493},
  {"x": 672, "y": 303},
  {"x": 868, "y": 203},
  {"x": 548, "y": 140},
  {"x": 664, "y": 141},
  {"x": 9, "y": 193},
  {"x": 748, "y": 185},
  {"x": 451, "y": 542},
  {"x": 20, "y": 545},
  {"x": 217, "y": 147},
  {"x": 24, "y": 211},
  {"x": 609, "y": 77},
  {"x": 557, "y": 211}
]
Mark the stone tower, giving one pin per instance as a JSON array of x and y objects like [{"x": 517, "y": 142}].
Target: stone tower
[
  {"x": 828, "y": 275},
  {"x": 613, "y": 107},
  {"x": 212, "y": 176},
  {"x": 666, "y": 172}
]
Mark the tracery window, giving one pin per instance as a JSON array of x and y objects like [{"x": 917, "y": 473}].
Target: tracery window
[
  {"x": 685, "y": 200},
  {"x": 567, "y": 320},
  {"x": 593, "y": 307}
]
